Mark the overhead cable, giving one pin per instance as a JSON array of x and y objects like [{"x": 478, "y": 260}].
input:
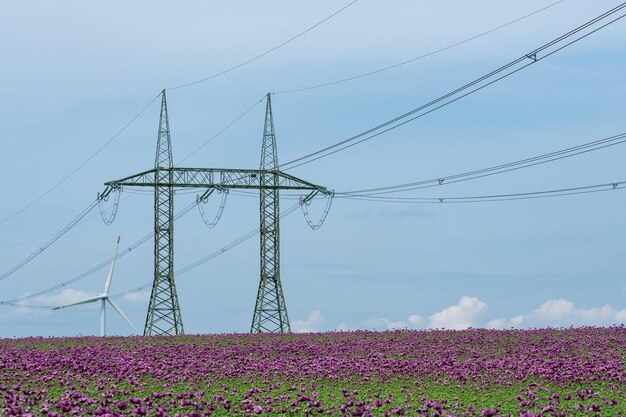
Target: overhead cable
[
  {"x": 221, "y": 131},
  {"x": 231, "y": 245},
  {"x": 12, "y": 245},
  {"x": 208, "y": 257},
  {"x": 478, "y": 84},
  {"x": 82, "y": 164},
  {"x": 293, "y": 38},
  {"x": 497, "y": 169},
  {"x": 54, "y": 238},
  {"x": 86, "y": 219},
  {"x": 617, "y": 185},
  {"x": 102, "y": 265},
  {"x": 426, "y": 55}
]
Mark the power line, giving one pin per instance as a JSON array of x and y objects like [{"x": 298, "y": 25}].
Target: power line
[
  {"x": 86, "y": 219},
  {"x": 16, "y": 302},
  {"x": 85, "y": 162},
  {"x": 231, "y": 245},
  {"x": 130, "y": 248},
  {"x": 426, "y": 55},
  {"x": 56, "y": 237},
  {"x": 497, "y": 169},
  {"x": 94, "y": 269},
  {"x": 210, "y": 256},
  {"x": 142, "y": 192},
  {"x": 263, "y": 53},
  {"x": 618, "y": 185},
  {"x": 68, "y": 176},
  {"x": 429, "y": 200},
  {"x": 12, "y": 245},
  {"x": 221, "y": 131},
  {"x": 478, "y": 84}
]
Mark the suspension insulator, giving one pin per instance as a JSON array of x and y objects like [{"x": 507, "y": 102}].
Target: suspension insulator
[
  {"x": 202, "y": 200},
  {"x": 305, "y": 202},
  {"x": 108, "y": 219}
]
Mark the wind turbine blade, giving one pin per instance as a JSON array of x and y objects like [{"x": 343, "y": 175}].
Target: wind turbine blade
[
  {"x": 107, "y": 283},
  {"x": 119, "y": 310},
  {"x": 85, "y": 301}
]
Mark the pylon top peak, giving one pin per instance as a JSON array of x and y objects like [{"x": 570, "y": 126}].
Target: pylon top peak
[
  {"x": 269, "y": 157},
  {"x": 164, "y": 142}
]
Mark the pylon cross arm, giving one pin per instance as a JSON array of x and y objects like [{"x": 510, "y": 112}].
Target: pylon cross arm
[{"x": 216, "y": 178}]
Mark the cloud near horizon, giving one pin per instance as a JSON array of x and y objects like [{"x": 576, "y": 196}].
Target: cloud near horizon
[
  {"x": 470, "y": 312},
  {"x": 43, "y": 304},
  {"x": 310, "y": 325},
  {"x": 562, "y": 313},
  {"x": 461, "y": 316}
]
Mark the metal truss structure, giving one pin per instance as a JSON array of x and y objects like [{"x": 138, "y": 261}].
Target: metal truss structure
[
  {"x": 215, "y": 178},
  {"x": 163, "y": 311},
  {"x": 270, "y": 312}
]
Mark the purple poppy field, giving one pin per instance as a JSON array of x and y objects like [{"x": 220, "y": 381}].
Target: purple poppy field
[{"x": 551, "y": 372}]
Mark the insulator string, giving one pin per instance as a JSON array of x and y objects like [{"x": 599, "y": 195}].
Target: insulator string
[
  {"x": 305, "y": 202},
  {"x": 201, "y": 201}
]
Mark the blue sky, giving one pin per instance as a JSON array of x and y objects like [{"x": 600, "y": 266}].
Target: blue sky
[{"x": 76, "y": 72}]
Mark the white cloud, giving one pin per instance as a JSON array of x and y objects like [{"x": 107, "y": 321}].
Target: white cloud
[
  {"x": 36, "y": 308},
  {"x": 459, "y": 316},
  {"x": 310, "y": 325},
  {"x": 415, "y": 320},
  {"x": 555, "y": 310},
  {"x": 498, "y": 323},
  {"x": 469, "y": 312},
  {"x": 384, "y": 324},
  {"x": 376, "y": 324},
  {"x": 22, "y": 311},
  {"x": 67, "y": 296},
  {"x": 343, "y": 327},
  {"x": 395, "y": 325},
  {"x": 563, "y": 313},
  {"x": 502, "y": 323}
]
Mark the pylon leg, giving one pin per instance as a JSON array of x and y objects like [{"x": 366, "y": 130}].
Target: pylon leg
[{"x": 270, "y": 311}]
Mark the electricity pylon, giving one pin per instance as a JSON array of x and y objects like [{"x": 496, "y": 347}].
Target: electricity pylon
[
  {"x": 270, "y": 314},
  {"x": 163, "y": 311}
]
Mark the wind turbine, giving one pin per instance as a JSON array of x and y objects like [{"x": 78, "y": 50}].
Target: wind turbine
[{"x": 104, "y": 298}]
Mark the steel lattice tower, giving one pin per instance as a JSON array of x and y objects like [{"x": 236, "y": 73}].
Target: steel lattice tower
[
  {"x": 163, "y": 311},
  {"x": 270, "y": 312}
]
